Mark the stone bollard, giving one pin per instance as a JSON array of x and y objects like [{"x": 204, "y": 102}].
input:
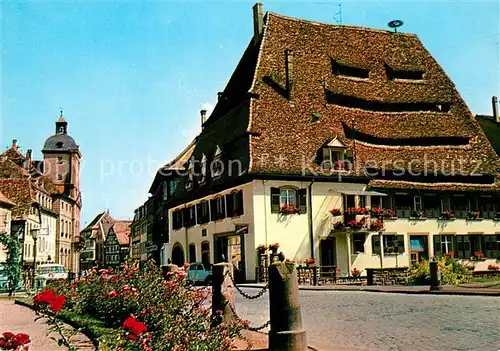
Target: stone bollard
[
  {"x": 169, "y": 268},
  {"x": 287, "y": 332},
  {"x": 223, "y": 292},
  {"x": 435, "y": 272}
]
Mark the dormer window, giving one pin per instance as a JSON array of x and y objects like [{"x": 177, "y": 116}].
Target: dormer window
[
  {"x": 395, "y": 74},
  {"x": 336, "y": 156},
  {"x": 343, "y": 70},
  {"x": 217, "y": 166}
]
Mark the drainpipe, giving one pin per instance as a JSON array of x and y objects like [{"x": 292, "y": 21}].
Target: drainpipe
[
  {"x": 311, "y": 228},
  {"x": 265, "y": 210}
]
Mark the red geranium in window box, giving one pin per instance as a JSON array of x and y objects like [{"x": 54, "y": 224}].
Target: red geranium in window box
[
  {"x": 336, "y": 212},
  {"x": 287, "y": 209}
]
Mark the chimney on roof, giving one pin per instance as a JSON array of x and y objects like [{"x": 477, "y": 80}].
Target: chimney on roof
[
  {"x": 496, "y": 115},
  {"x": 289, "y": 72},
  {"x": 28, "y": 159},
  {"x": 258, "y": 22},
  {"x": 14, "y": 144},
  {"x": 203, "y": 116}
]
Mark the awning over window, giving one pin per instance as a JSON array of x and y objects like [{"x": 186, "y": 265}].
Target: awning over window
[{"x": 355, "y": 189}]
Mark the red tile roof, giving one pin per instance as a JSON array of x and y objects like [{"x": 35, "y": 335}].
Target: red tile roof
[
  {"x": 122, "y": 230},
  {"x": 21, "y": 192},
  {"x": 283, "y": 136},
  {"x": 391, "y": 184}
]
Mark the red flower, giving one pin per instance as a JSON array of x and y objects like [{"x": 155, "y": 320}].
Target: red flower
[
  {"x": 134, "y": 326},
  {"x": 48, "y": 297},
  {"x": 113, "y": 294},
  {"x": 21, "y": 339},
  {"x": 9, "y": 335}
]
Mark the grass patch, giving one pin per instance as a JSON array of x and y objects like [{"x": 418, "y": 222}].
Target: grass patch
[{"x": 93, "y": 328}]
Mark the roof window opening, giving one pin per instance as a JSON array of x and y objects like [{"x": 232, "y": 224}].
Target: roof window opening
[
  {"x": 393, "y": 74},
  {"x": 59, "y": 145},
  {"x": 379, "y": 106},
  {"x": 340, "y": 69}
]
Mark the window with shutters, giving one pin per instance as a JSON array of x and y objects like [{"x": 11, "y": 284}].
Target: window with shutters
[
  {"x": 444, "y": 244},
  {"x": 218, "y": 210},
  {"x": 234, "y": 203},
  {"x": 203, "y": 213},
  {"x": 492, "y": 246},
  {"x": 192, "y": 253},
  {"x": 463, "y": 247},
  {"x": 189, "y": 215},
  {"x": 392, "y": 244},
  {"x": 288, "y": 196}
]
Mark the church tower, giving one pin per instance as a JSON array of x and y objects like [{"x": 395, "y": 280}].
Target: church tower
[{"x": 61, "y": 163}]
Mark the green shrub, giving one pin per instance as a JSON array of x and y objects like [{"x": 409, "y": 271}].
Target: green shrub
[{"x": 452, "y": 272}]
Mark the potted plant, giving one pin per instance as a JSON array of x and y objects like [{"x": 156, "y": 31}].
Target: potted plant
[
  {"x": 336, "y": 212},
  {"x": 339, "y": 165},
  {"x": 338, "y": 225},
  {"x": 357, "y": 211},
  {"x": 356, "y": 273},
  {"x": 494, "y": 267},
  {"x": 376, "y": 226},
  {"x": 478, "y": 256},
  {"x": 354, "y": 224},
  {"x": 378, "y": 212},
  {"x": 417, "y": 214},
  {"x": 261, "y": 249},
  {"x": 447, "y": 214},
  {"x": 310, "y": 262},
  {"x": 389, "y": 213},
  {"x": 274, "y": 248},
  {"x": 289, "y": 209},
  {"x": 474, "y": 214},
  {"x": 470, "y": 266}
]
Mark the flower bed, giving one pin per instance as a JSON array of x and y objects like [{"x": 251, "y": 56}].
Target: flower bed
[{"x": 139, "y": 311}]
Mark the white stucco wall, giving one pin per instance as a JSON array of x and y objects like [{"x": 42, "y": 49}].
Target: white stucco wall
[{"x": 187, "y": 236}]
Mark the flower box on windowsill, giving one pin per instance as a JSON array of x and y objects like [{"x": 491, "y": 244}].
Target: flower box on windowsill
[
  {"x": 418, "y": 218},
  {"x": 446, "y": 218},
  {"x": 475, "y": 219}
]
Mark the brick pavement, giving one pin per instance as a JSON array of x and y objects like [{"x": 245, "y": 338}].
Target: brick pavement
[{"x": 19, "y": 319}]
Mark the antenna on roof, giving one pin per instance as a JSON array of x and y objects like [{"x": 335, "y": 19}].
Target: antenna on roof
[
  {"x": 339, "y": 14},
  {"x": 395, "y": 24}
]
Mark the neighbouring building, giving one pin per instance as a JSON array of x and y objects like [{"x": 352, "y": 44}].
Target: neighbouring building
[
  {"x": 5, "y": 218},
  {"x": 142, "y": 245},
  {"x": 50, "y": 197},
  {"x": 117, "y": 244},
  {"x": 345, "y": 144},
  {"x": 93, "y": 237},
  {"x": 491, "y": 125}
]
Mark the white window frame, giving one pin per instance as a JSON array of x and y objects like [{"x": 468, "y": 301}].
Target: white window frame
[{"x": 287, "y": 194}]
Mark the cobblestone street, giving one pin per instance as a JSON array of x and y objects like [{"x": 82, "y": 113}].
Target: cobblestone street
[{"x": 337, "y": 320}]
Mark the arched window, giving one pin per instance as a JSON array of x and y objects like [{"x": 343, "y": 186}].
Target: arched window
[
  {"x": 60, "y": 144},
  {"x": 178, "y": 255},
  {"x": 205, "y": 253},
  {"x": 192, "y": 253},
  {"x": 288, "y": 196}
]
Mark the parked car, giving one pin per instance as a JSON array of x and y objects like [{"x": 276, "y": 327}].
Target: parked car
[
  {"x": 199, "y": 273},
  {"x": 50, "y": 272}
]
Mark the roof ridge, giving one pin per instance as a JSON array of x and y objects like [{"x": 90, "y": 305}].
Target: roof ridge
[{"x": 339, "y": 26}]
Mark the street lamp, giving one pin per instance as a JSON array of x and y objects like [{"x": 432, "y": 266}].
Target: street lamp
[{"x": 34, "y": 234}]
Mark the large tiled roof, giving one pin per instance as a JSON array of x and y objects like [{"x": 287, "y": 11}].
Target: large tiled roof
[
  {"x": 284, "y": 138},
  {"x": 22, "y": 193}
]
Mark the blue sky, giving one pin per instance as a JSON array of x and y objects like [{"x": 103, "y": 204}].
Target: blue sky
[{"x": 132, "y": 76}]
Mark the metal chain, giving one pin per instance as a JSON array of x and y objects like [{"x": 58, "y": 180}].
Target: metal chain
[
  {"x": 247, "y": 327},
  {"x": 248, "y": 296}
]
